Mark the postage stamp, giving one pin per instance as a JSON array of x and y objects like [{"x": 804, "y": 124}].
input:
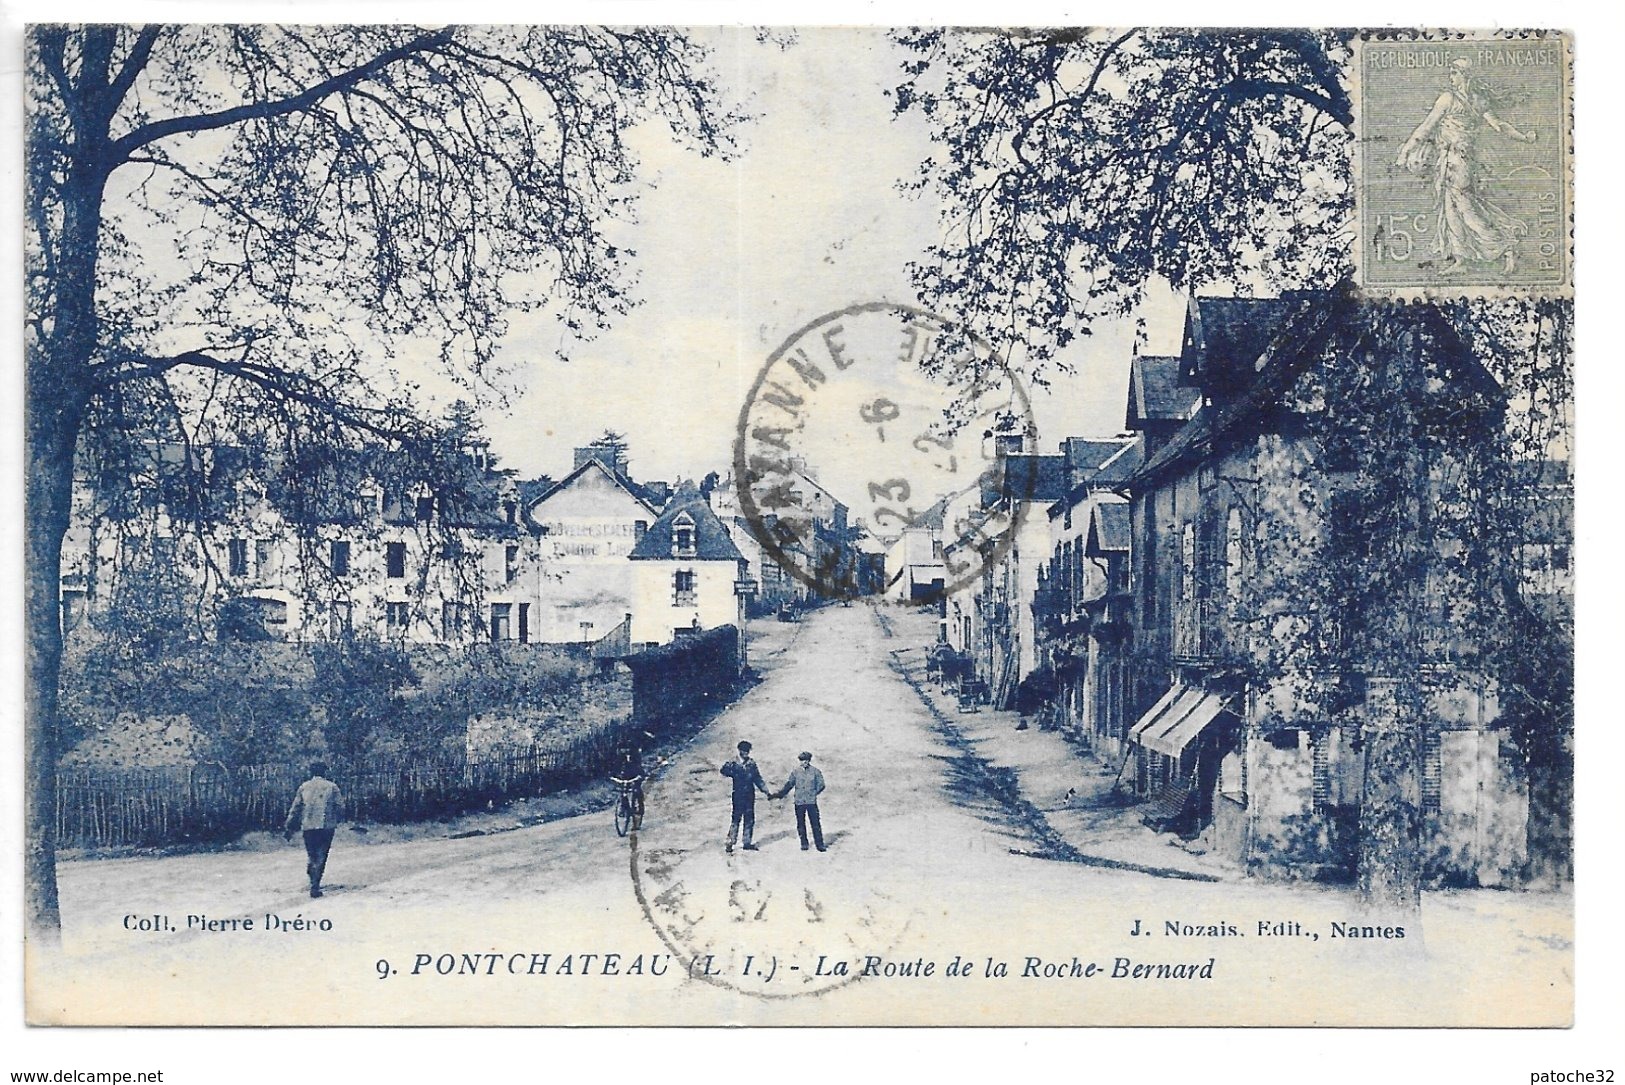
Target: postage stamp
[
  {"x": 456, "y": 599},
  {"x": 1464, "y": 179}
]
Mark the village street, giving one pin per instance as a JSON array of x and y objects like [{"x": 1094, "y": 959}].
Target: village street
[{"x": 932, "y": 856}]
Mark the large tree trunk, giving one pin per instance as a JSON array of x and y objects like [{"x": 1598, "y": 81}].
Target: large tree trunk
[
  {"x": 57, "y": 390},
  {"x": 49, "y": 494}
]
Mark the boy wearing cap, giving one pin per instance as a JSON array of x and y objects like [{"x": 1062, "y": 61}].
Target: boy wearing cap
[
  {"x": 807, "y": 782},
  {"x": 747, "y": 780}
]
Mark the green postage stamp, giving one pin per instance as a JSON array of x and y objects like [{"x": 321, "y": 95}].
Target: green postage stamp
[{"x": 1463, "y": 169}]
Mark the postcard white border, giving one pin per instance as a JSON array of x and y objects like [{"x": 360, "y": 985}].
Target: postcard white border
[{"x": 1326, "y": 1056}]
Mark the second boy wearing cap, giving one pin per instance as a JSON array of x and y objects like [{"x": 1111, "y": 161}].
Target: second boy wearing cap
[{"x": 808, "y": 783}]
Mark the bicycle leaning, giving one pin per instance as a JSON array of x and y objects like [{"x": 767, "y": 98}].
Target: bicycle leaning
[{"x": 629, "y": 806}]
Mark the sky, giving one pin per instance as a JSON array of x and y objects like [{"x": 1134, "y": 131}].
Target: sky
[{"x": 734, "y": 256}]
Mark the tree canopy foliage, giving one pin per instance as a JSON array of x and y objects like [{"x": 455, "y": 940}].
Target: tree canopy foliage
[
  {"x": 229, "y": 228},
  {"x": 1075, "y": 165}
]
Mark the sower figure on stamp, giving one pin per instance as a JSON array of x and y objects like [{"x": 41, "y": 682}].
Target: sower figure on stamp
[
  {"x": 808, "y": 783},
  {"x": 1471, "y": 226},
  {"x": 747, "y": 780},
  {"x": 315, "y": 810}
]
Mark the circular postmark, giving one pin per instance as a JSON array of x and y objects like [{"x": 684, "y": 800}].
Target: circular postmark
[
  {"x": 766, "y": 934},
  {"x": 878, "y": 420}
]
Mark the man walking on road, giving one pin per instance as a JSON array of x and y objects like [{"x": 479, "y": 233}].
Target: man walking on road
[
  {"x": 747, "y": 780},
  {"x": 808, "y": 783},
  {"x": 315, "y": 810}
]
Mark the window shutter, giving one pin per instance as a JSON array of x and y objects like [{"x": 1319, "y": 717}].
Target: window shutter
[
  {"x": 1321, "y": 755},
  {"x": 1432, "y": 772}
]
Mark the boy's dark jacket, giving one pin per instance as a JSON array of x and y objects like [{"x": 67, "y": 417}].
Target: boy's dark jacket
[{"x": 747, "y": 778}]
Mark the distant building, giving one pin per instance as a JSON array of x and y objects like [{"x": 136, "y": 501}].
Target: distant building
[
  {"x": 775, "y": 586},
  {"x": 914, "y": 569},
  {"x": 586, "y": 527},
  {"x": 687, "y": 573}
]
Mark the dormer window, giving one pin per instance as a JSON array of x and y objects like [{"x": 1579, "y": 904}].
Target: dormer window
[
  {"x": 682, "y": 536},
  {"x": 372, "y": 499}
]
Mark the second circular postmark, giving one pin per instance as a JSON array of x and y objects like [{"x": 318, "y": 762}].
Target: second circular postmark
[{"x": 882, "y": 419}]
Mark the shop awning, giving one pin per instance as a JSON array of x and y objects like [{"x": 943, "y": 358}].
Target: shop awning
[{"x": 1177, "y": 719}]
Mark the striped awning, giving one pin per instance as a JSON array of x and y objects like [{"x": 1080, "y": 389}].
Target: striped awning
[{"x": 1175, "y": 721}]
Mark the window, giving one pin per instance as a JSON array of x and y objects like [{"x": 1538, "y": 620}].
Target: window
[
  {"x": 262, "y": 556},
  {"x": 425, "y": 507},
  {"x": 341, "y": 619},
  {"x": 682, "y": 588},
  {"x": 73, "y": 608},
  {"x": 510, "y": 511},
  {"x": 451, "y": 621},
  {"x": 237, "y": 557},
  {"x": 682, "y": 536},
  {"x": 1320, "y": 756},
  {"x": 501, "y": 613},
  {"x": 338, "y": 557},
  {"x": 510, "y": 563},
  {"x": 272, "y": 612},
  {"x": 524, "y": 623},
  {"x": 640, "y": 528},
  {"x": 396, "y": 616},
  {"x": 395, "y": 560}
]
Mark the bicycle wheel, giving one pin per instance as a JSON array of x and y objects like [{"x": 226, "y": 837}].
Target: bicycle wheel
[{"x": 623, "y": 816}]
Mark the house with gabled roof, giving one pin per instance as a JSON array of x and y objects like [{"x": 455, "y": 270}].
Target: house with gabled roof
[
  {"x": 914, "y": 569},
  {"x": 586, "y": 525},
  {"x": 687, "y": 574},
  {"x": 1158, "y": 403},
  {"x": 1258, "y": 698}
]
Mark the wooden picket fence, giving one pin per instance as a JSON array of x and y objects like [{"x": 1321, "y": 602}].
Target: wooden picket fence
[{"x": 100, "y": 807}]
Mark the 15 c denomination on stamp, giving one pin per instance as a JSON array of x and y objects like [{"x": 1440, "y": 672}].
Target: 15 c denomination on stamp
[{"x": 1462, "y": 178}]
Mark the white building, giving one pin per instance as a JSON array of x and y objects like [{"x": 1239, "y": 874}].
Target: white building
[
  {"x": 914, "y": 564},
  {"x": 587, "y": 525},
  {"x": 685, "y": 571}
]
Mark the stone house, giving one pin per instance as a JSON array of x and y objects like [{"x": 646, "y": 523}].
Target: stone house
[
  {"x": 384, "y": 554},
  {"x": 1080, "y": 602},
  {"x": 1257, "y": 709}
]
